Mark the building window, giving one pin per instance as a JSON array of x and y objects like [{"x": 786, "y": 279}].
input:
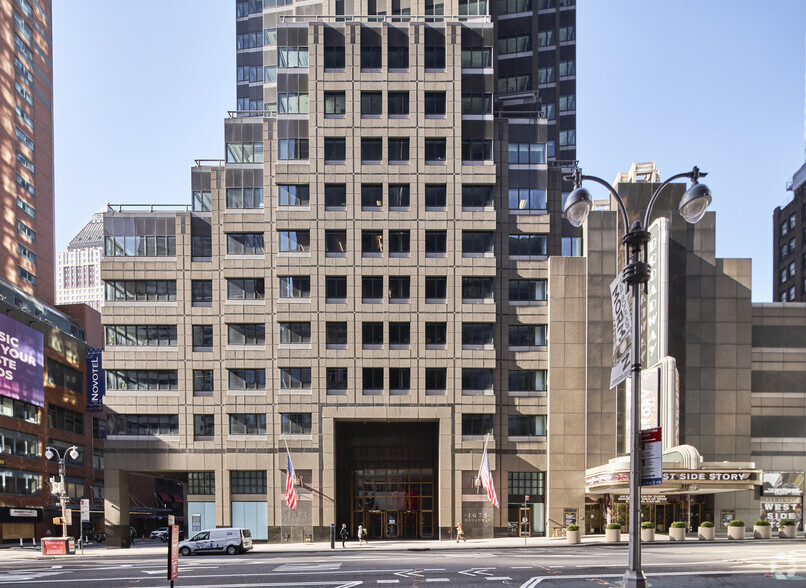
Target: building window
[
  {"x": 203, "y": 382},
  {"x": 27, "y": 276},
  {"x": 399, "y": 242},
  {"x": 335, "y": 149},
  {"x": 335, "y": 196},
  {"x": 477, "y": 380},
  {"x": 245, "y": 244},
  {"x": 435, "y": 104},
  {"x": 295, "y": 241},
  {"x": 371, "y": 150},
  {"x": 568, "y": 68},
  {"x": 247, "y": 424},
  {"x": 527, "y": 335},
  {"x": 335, "y": 380},
  {"x": 527, "y": 199},
  {"x": 335, "y": 335},
  {"x": 247, "y": 482},
  {"x": 547, "y": 110},
  {"x": 476, "y": 243},
  {"x": 477, "y": 103},
  {"x": 436, "y": 381},
  {"x": 546, "y": 75},
  {"x": 784, "y": 275},
  {"x": 245, "y": 289},
  {"x": 436, "y": 243},
  {"x": 509, "y": 6},
  {"x": 295, "y": 423},
  {"x": 239, "y": 198},
  {"x": 26, "y": 230},
  {"x": 399, "y": 288},
  {"x": 292, "y": 103},
  {"x": 98, "y": 460},
  {"x": 477, "y": 150},
  {"x": 568, "y": 137},
  {"x": 371, "y": 57},
  {"x": 474, "y": 196},
  {"x": 334, "y": 57},
  {"x": 791, "y": 294},
  {"x": 292, "y": 148},
  {"x": 434, "y": 55},
  {"x": 527, "y": 380},
  {"x": 334, "y": 103},
  {"x": 399, "y": 194},
  {"x": 477, "y": 334},
  {"x": 295, "y": 378},
  {"x": 568, "y": 103},
  {"x": 26, "y": 253},
  {"x": 372, "y": 379},
  {"x": 526, "y": 483},
  {"x": 527, "y": 245},
  {"x": 295, "y": 333},
  {"x": 292, "y": 57},
  {"x": 477, "y": 58},
  {"x": 371, "y": 288},
  {"x": 141, "y": 335},
  {"x": 26, "y": 185},
  {"x": 141, "y": 291},
  {"x": 17, "y": 409},
  {"x": 527, "y": 153},
  {"x": 399, "y": 101},
  {"x": 371, "y": 242},
  {"x": 74, "y": 487},
  {"x": 515, "y": 84},
  {"x": 371, "y": 103},
  {"x": 572, "y": 246},
  {"x": 244, "y": 152},
  {"x": 436, "y": 288},
  {"x": 477, "y": 425},
  {"x": 246, "y": 379},
  {"x": 515, "y": 44},
  {"x": 371, "y": 196},
  {"x": 436, "y": 335},
  {"x": 25, "y": 207},
  {"x": 144, "y": 425},
  {"x": 141, "y": 379},
  {"x": 371, "y": 334},
  {"x": 399, "y": 334},
  {"x": 64, "y": 376},
  {"x": 246, "y": 334},
  {"x": 397, "y": 57},
  {"x": 398, "y": 149},
  {"x": 202, "y": 483},
  {"x": 203, "y": 426},
  {"x": 19, "y": 482},
  {"x": 295, "y": 286},
  {"x": 293, "y": 195},
  {"x": 99, "y": 429},
  {"x": 18, "y": 444},
  {"x": 527, "y": 426},
  {"x": 435, "y": 150},
  {"x": 335, "y": 243},
  {"x": 399, "y": 380},
  {"x": 202, "y": 337},
  {"x": 435, "y": 197},
  {"x": 474, "y": 288},
  {"x": 335, "y": 288}
]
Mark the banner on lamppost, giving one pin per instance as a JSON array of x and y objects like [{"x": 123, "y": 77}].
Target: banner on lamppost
[
  {"x": 651, "y": 457},
  {"x": 85, "y": 510},
  {"x": 622, "y": 332},
  {"x": 655, "y": 303}
]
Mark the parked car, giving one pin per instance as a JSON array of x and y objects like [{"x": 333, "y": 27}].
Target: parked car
[
  {"x": 162, "y": 533},
  {"x": 227, "y": 540}
]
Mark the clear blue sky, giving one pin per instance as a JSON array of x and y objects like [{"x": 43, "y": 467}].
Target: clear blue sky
[{"x": 141, "y": 90}]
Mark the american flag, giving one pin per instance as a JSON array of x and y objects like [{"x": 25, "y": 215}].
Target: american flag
[
  {"x": 290, "y": 492},
  {"x": 487, "y": 479}
]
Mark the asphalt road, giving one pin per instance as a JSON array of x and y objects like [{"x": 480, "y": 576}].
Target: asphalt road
[{"x": 747, "y": 565}]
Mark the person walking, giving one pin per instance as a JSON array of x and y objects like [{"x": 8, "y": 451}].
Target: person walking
[
  {"x": 362, "y": 535},
  {"x": 132, "y": 534},
  {"x": 344, "y": 533},
  {"x": 460, "y": 533}
]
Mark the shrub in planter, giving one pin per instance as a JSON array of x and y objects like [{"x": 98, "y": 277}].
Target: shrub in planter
[
  {"x": 706, "y": 531},
  {"x": 647, "y": 531},
  {"x": 787, "y": 529},
  {"x": 736, "y": 529},
  {"x": 572, "y": 533},
  {"x": 677, "y": 531},
  {"x": 762, "y": 529},
  {"x": 613, "y": 533}
]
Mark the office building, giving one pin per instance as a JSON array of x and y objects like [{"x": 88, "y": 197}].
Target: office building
[
  {"x": 78, "y": 268},
  {"x": 26, "y": 169},
  {"x": 789, "y": 251}
]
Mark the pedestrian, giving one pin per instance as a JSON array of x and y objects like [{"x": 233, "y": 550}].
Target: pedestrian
[
  {"x": 460, "y": 533},
  {"x": 362, "y": 535},
  {"x": 131, "y": 535},
  {"x": 344, "y": 533}
]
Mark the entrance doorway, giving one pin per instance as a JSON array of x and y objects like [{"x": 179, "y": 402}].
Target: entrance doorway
[{"x": 386, "y": 478}]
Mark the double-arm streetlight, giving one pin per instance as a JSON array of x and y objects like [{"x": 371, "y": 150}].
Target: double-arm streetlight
[
  {"x": 635, "y": 274},
  {"x": 73, "y": 453}
]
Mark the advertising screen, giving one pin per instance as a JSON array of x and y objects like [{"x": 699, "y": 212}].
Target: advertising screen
[{"x": 21, "y": 362}]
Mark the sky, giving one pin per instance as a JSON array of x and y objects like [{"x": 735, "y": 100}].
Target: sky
[{"x": 141, "y": 90}]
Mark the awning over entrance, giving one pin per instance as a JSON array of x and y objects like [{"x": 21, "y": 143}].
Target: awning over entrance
[{"x": 684, "y": 472}]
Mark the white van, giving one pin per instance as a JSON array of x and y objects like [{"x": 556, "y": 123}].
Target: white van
[{"x": 229, "y": 540}]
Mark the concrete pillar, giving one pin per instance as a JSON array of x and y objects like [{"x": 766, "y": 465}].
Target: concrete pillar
[{"x": 116, "y": 508}]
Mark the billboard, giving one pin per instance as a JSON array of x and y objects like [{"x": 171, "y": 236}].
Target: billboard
[
  {"x": 96, "y": 381},
  {"x": 783, "y": 484},
  {"x": 22, "y": 362}
]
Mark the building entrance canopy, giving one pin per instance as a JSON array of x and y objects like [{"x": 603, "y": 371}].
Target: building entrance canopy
[{"x": 684, "y": 472}]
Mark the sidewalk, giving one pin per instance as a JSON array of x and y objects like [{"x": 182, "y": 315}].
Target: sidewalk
[{"x": 153, "y": 548}]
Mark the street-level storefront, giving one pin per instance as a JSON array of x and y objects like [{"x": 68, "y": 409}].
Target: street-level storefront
[{"x": 685, "y": 493}]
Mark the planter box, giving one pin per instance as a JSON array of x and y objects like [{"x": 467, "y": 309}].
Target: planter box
[
  {"x": 706, "y": 533},
  {"x": 647, "y": 535},
  {"x": 736, "y": 532},
  {"x": 612, "y": 535},
  {"x": 572, "y": 536},
  {"x": 762, "y": 531},
  {"x": 788, "y": 532},
  {"x": 677, "y": 533}
]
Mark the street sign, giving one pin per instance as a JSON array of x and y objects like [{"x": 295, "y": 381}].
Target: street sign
[
  {"x": 651, "y": 457},
  {"x": 85, "y": 510},
  {"x": 173, "y": 554}
]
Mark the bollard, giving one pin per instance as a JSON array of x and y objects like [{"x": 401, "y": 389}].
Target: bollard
[{"x": 332, "y": 536}]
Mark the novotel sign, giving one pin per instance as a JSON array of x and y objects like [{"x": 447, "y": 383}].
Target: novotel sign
[{"x": 96, "y": 381}]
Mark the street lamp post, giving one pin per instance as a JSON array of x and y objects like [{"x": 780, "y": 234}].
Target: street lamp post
[
  {"x": 73, "y": 453},
  {"x": 635, "y": 274}
]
